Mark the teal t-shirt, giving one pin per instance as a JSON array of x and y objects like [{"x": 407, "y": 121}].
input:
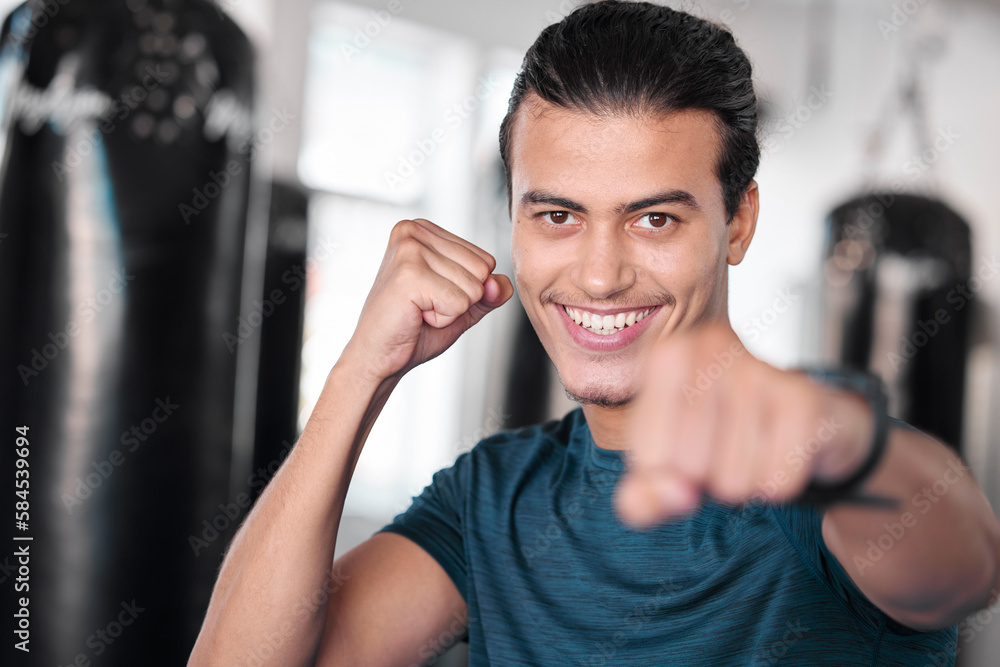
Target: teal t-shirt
[{"x": 524, "y": 525}]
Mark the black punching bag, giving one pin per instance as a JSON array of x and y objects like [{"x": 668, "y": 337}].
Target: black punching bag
[
  {"x": 897, "y": 301},
  {"x": 125, "y": 154}
]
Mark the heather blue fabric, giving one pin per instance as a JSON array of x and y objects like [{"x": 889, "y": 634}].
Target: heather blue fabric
[{"x": 523, "y": 524}]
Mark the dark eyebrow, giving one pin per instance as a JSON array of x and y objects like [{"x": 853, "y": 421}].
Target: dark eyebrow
[
  {"x": 546, "y": 197},
  {"x": 679, "y": 197}
]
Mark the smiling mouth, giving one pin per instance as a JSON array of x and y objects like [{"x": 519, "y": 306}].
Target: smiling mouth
[{"x": 606, "y": 325}]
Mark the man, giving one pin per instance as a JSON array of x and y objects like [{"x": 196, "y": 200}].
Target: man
[{"x": 664, "y": 522}]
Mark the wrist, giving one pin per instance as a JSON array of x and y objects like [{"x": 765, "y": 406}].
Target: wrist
[
  {"x": 838, "y": 475},
  {"x": 852, "y": 425},
  {"x": 355, "y": 371},
  {"x": 351, "y": 395}
]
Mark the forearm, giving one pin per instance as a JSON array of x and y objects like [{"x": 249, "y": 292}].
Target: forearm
[
  {"x": 276, "y": 576},
  {"x": 931, "y": 560},
  {"x": 274, "y": 590}
]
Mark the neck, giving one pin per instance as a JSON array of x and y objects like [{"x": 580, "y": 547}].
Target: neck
[{"x": 608, "y": 426}]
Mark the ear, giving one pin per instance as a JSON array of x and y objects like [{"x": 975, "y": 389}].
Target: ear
[{"x": 743, "y": 224}]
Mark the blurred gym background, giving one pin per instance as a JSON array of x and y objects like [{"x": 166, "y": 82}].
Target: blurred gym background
[{"x": 196, "y": 196}]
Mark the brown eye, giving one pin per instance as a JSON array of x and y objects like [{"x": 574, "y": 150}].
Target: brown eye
[
  {"x": 654, "y": 220},
  {"x": 558, "y": 217}
]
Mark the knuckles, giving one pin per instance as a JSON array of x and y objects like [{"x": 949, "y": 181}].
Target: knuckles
[
  {"x": 714, "y": 361},
  {"x": 410, "y": 239},
  {"x": 458, "y": 299},
  {"x": 409, "y": 250},
  {"x": 481, "y": 269},
  {"x": 404, "y": 229}
]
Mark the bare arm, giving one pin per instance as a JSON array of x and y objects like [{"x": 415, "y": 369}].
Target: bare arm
[
  {"x": 281, "y": 555},
  {"x": 932, "y": 560},
  {"x": 277, "y": 584},
  {"x": 759, "y": 432},
  {"x": 399, "y": 606}
]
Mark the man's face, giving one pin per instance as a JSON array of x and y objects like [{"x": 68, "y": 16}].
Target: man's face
[{"x": 619, "y": 223}]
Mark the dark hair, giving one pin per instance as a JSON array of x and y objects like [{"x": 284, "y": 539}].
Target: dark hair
[{"x": 614, "y": 57}]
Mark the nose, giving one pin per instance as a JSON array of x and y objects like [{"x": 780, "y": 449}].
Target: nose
[{"x": 602, "y": 265}]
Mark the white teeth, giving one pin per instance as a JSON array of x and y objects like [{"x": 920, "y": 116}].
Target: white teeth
[{"x": 605, "y": 325}]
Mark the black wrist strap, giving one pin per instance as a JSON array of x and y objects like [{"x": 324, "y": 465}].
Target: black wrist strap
[{"x": 873, "y": 390}]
